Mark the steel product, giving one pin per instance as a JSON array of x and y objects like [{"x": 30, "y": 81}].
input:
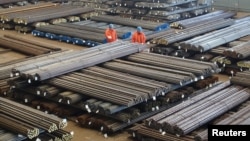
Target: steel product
[
  {"x": 18, "y": 127},
  {"x": 189, "y": 124},
  {"x": 53, "y": 67},
  {"x": 241, "y": 78},
  {"x": 73, "y": 32},
  {"x": 120, "y": 34},
  {"x": 193, "y": 31},
  {"x": 169, "y": 122},
  {"x": 130, "y": 22},
  {"x": 10, "y": 106},
  {"x": 240, "y": 51},
  {"x": 235, "y": 118},
  {"x": 219, "y": 37},
  {"x": 152, "y": 121}
]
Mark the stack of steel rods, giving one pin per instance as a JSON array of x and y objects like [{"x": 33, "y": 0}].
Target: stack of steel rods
[
  {"x": 18, "y": 126},
  {"x": 73, "y": 32},
  {"x": 4, "y": 14},
  {"x": 241, "y": 78},
  {"x": 236, "y": 118},
  {"x": 196, "y": 67},
  {"x": 130, "y": 22},
  {"x": 203, "y": 18},
  {"x": 120, "y": 34},
  {"x": 141, "y": 132},
  {"x": 193, "y": 31},
  {"x": 218, "y": 37},
  {"x": 25, "y": 113},
  {"x": 26, "y": 46},
  {"x": 152, "y": 121},
  {"x": 240, "y": 51},
  {"x": 44, "y": 13},
  {"x": 126, "y": 89},
  {"x": 200, "y": 118},
  {"x": 51, "y": 67},
  {"x": 156, "y": 73},
  {"x": 167, "y": 124},
  {"x": 218, "y": 50}
]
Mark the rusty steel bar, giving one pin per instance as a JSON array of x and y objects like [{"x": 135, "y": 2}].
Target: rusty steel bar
[
  {"x": 240, "y": 51},
  {"x": 241, "y": 78}
]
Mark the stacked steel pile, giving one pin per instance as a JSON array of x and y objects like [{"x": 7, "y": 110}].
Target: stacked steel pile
[
  {"x": 26, "y": 46},
  {"x": 162, "y": 10},
  {"x": 218, "y": 37},
  {"x": 155, "y": 26},
  {"x": 78, "y": 33},
  {"x": 53, "y": 65},
  {"x": 24, "y": 17},
  {"x": 240, "y": 51},
  {"x": 113, "y": 89},
  {"x": 199, "y": 110},
  {"x": 240, "y": 117},
  {"x": 204, "y": 18},
  {"x": 241, "y": 78},
  {"x": 32, "y": 122}
]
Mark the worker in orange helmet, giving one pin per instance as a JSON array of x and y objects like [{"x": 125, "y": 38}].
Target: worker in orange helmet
[
  {"x": 111, "y": 34},
  {"x": 139, "y": 36}
]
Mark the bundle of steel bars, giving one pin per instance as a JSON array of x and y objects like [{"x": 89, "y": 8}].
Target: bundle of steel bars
[
  {"x": 53, "y": 66},
  {"x": 175, "y": 36},
  {"x": 219, "y": 37},
  {"x": 240, "y": 51},
  {"x": 141, "y": 132},
  {"x": 4, "y": 17},
  {"x": 197, "y": 68},
  {"x": 199, "y": 113},
  {"x": 236, "y": 118},
  {"x": 26, "y": 46},
  {"x": 73, "y": 32},
  {"x": 112, "y": 86},
  {"x": 241, "y": 78},
  {"x": 33, "y": 122},
  {"x": 130, "y": 22},
  {"x": 203, "y": 18},
  {"x": 44, "y": 13}
]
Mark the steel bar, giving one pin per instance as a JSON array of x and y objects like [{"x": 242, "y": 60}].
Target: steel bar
[
  {"x": 187, "y": 125},
  {"x": 53, "y": 67},
  {"x": 203, "y": 18},
  {"x": 73, "y": 32},
  {"x": 240, "y": 51},
  {"x": 229, "y": 120},
  {"x": 193, "y": 31},
  {"x": 25, "y": 48},
  {"x": 59, "y": 123},
  {"x": 18, "y": 127},
  {"x": 241, "y": 78},
  {"x": 152, "y": 121},
  {"x": 120, "y": 34},
  {"x": 219, "y": 37},
  {"x": 130, "y": 22}
]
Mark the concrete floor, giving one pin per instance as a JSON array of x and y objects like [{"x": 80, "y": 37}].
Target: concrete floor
[{"x": 80, "y": 133}]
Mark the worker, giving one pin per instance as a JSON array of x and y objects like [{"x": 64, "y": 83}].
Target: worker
[
  {"x": 139, "y": 36},
  {"x": 111, "y": 34}
]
